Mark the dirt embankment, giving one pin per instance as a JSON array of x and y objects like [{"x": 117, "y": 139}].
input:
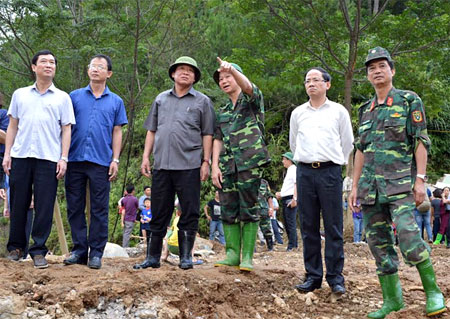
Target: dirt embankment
[{"x": 208, "y": 292}]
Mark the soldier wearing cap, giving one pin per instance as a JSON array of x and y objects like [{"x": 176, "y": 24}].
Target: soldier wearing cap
[
  {"x": 180, "y": 127},
  {"x": 321, "y": 139},
  {"x": 288, "y": 197},
  {"x": 388, "y": 180},
  {"x": 239, "y": 153}
]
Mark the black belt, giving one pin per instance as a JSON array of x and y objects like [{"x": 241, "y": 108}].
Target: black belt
[
  {"x": 319, "y": 164},
  {"x": 287, "y": 197}
]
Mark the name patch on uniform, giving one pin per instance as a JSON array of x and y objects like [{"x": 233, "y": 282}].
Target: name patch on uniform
[
  {"x": 417, "y": 116},
  {"x": 389, "y": 101},
  {"x": 396, "y": 114}
]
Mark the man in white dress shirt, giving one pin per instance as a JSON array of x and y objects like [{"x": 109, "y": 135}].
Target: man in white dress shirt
[{"x": 321, "y": 140}]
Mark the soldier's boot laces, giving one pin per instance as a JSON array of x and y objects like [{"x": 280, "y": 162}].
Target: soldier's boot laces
[
  {"x": 435, "y": 299},
  {"x": 392, "y": 296},
  {"x": 249, "y": 231},
  {"x": 232, "y": 245}
]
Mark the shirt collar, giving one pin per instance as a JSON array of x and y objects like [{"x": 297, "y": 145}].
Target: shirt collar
[
  {"x": 191, "y": 91},
  {"x": 388, "y": 101},
  {"x": 326, "y": 103},
  {"x": 105, "y": 92},
  {"x": 51, "y": 88}
]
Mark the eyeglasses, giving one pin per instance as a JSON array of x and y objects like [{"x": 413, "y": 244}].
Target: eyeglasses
[
  {"x": 313, "y": 80},
  {"x": 96, "y": 67}
]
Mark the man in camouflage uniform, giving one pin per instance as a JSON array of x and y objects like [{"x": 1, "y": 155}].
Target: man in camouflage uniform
[
  {"x": 239, "y": 142},
  {"x": 265, "y": 202},
  {"x": 389, "y": 176}
]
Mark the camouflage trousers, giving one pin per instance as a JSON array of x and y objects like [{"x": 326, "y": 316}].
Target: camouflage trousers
[
  {"x": 378, "y": 221},
  {"x": 239, "y": 196},
  {"x": 265, "y": 224}
]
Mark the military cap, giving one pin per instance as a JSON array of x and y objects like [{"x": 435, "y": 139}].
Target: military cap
[
  {"x": 216, "y": 74},
  {"x": 185, "y": 60},
  {"x": 289, "y": 156},
  {"x": 378, "y": 53}
]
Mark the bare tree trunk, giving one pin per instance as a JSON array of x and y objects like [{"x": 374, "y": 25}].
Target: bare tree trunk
[
  {"x": 369, "y": 6},
  {"x": 376, "y": 6}
]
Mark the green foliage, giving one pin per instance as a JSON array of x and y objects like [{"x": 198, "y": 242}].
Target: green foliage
[{"x": 145, "y": 37}]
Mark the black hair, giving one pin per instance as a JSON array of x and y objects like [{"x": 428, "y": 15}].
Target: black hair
[
  {"x": 1, "y": 100},
  {"x": 390, "y": 63},
  {"x": 437, "y": 193},
  {"x": 147, "y": 199},
  {"x": 130, "y": 188},
  {"x": 326, "y": 76},
  {"x": 42, "y": 52},
  {"x": 145, "y": 187},
  {"x": 103, "y": 56}
]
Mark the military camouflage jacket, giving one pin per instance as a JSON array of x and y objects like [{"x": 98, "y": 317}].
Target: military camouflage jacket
[
  {"x": 241, "y": 128},
  {"x": 388, "y": 136},
  {"x": 264, "y": 194}
]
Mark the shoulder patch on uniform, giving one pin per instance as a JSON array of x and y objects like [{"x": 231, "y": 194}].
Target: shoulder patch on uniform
[{"x": 417, "y": 116}]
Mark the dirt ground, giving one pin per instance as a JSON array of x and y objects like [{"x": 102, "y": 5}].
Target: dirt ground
[{"x": 208, "y": 292}]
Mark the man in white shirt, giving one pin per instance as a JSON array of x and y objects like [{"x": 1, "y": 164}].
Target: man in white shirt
[
  {"x": 288, "y": 197},
  {"x": 36, "y": 150},
  {"x": 321, "y": 139}
]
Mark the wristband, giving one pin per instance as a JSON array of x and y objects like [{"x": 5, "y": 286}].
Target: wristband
[{"x": 64, "y": 158}]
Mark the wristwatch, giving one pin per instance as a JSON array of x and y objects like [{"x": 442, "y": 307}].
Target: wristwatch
[
  {"x": 116, "y": 160},
  {"x": 207, "y": 161},
  {"x": 422, "y": 177},
  {"x": 64, "y": 158}
]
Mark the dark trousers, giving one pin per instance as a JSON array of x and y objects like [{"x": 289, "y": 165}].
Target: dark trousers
[
  {"x": 448, "y": 230},
  {"x": 290, "y": 222},
  {"x": 436, "y": 226},
  {"x": 167, "y": 183},
  {"x": 77, "y": 176},
  {"x": 320, "y": 191},
  {"x": 276, "y": 231},
  {"x": 31, "y": 176}
]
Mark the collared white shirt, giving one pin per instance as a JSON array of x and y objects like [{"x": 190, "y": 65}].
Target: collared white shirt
[
  {"x": 321, "y": 134},
  {"x": 40, "y": 119},
  {"x": 289, "y": 182}
]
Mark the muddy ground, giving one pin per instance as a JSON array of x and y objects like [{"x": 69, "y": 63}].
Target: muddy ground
[{"x": 207, "y": 292}]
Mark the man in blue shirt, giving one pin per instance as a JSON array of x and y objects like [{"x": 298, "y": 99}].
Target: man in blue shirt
[{"x": 94, "y": 157}]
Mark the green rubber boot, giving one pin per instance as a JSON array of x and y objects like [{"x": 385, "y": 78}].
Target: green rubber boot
[
  {"x": 249, "y": 231},
  {"x": 232, "y": 245},
  {"x": 435, "y": 299},
  {"x": 445, "y": 240},
  {"x": 392, "y": 296},
  {"x": 438, "y": 239}
]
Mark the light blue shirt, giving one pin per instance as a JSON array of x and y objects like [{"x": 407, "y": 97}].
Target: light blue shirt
[
  {"x": 96, "y": 118},
  {"x": 40, "y": 119}
]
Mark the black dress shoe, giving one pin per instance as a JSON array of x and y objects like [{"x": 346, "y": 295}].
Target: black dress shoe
[
  {"x": 95, "y": 263},
  {"x": 338, "y": 289},
  {"x": 308, "y": 285},
  {"x": 75, "y": 259}
]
